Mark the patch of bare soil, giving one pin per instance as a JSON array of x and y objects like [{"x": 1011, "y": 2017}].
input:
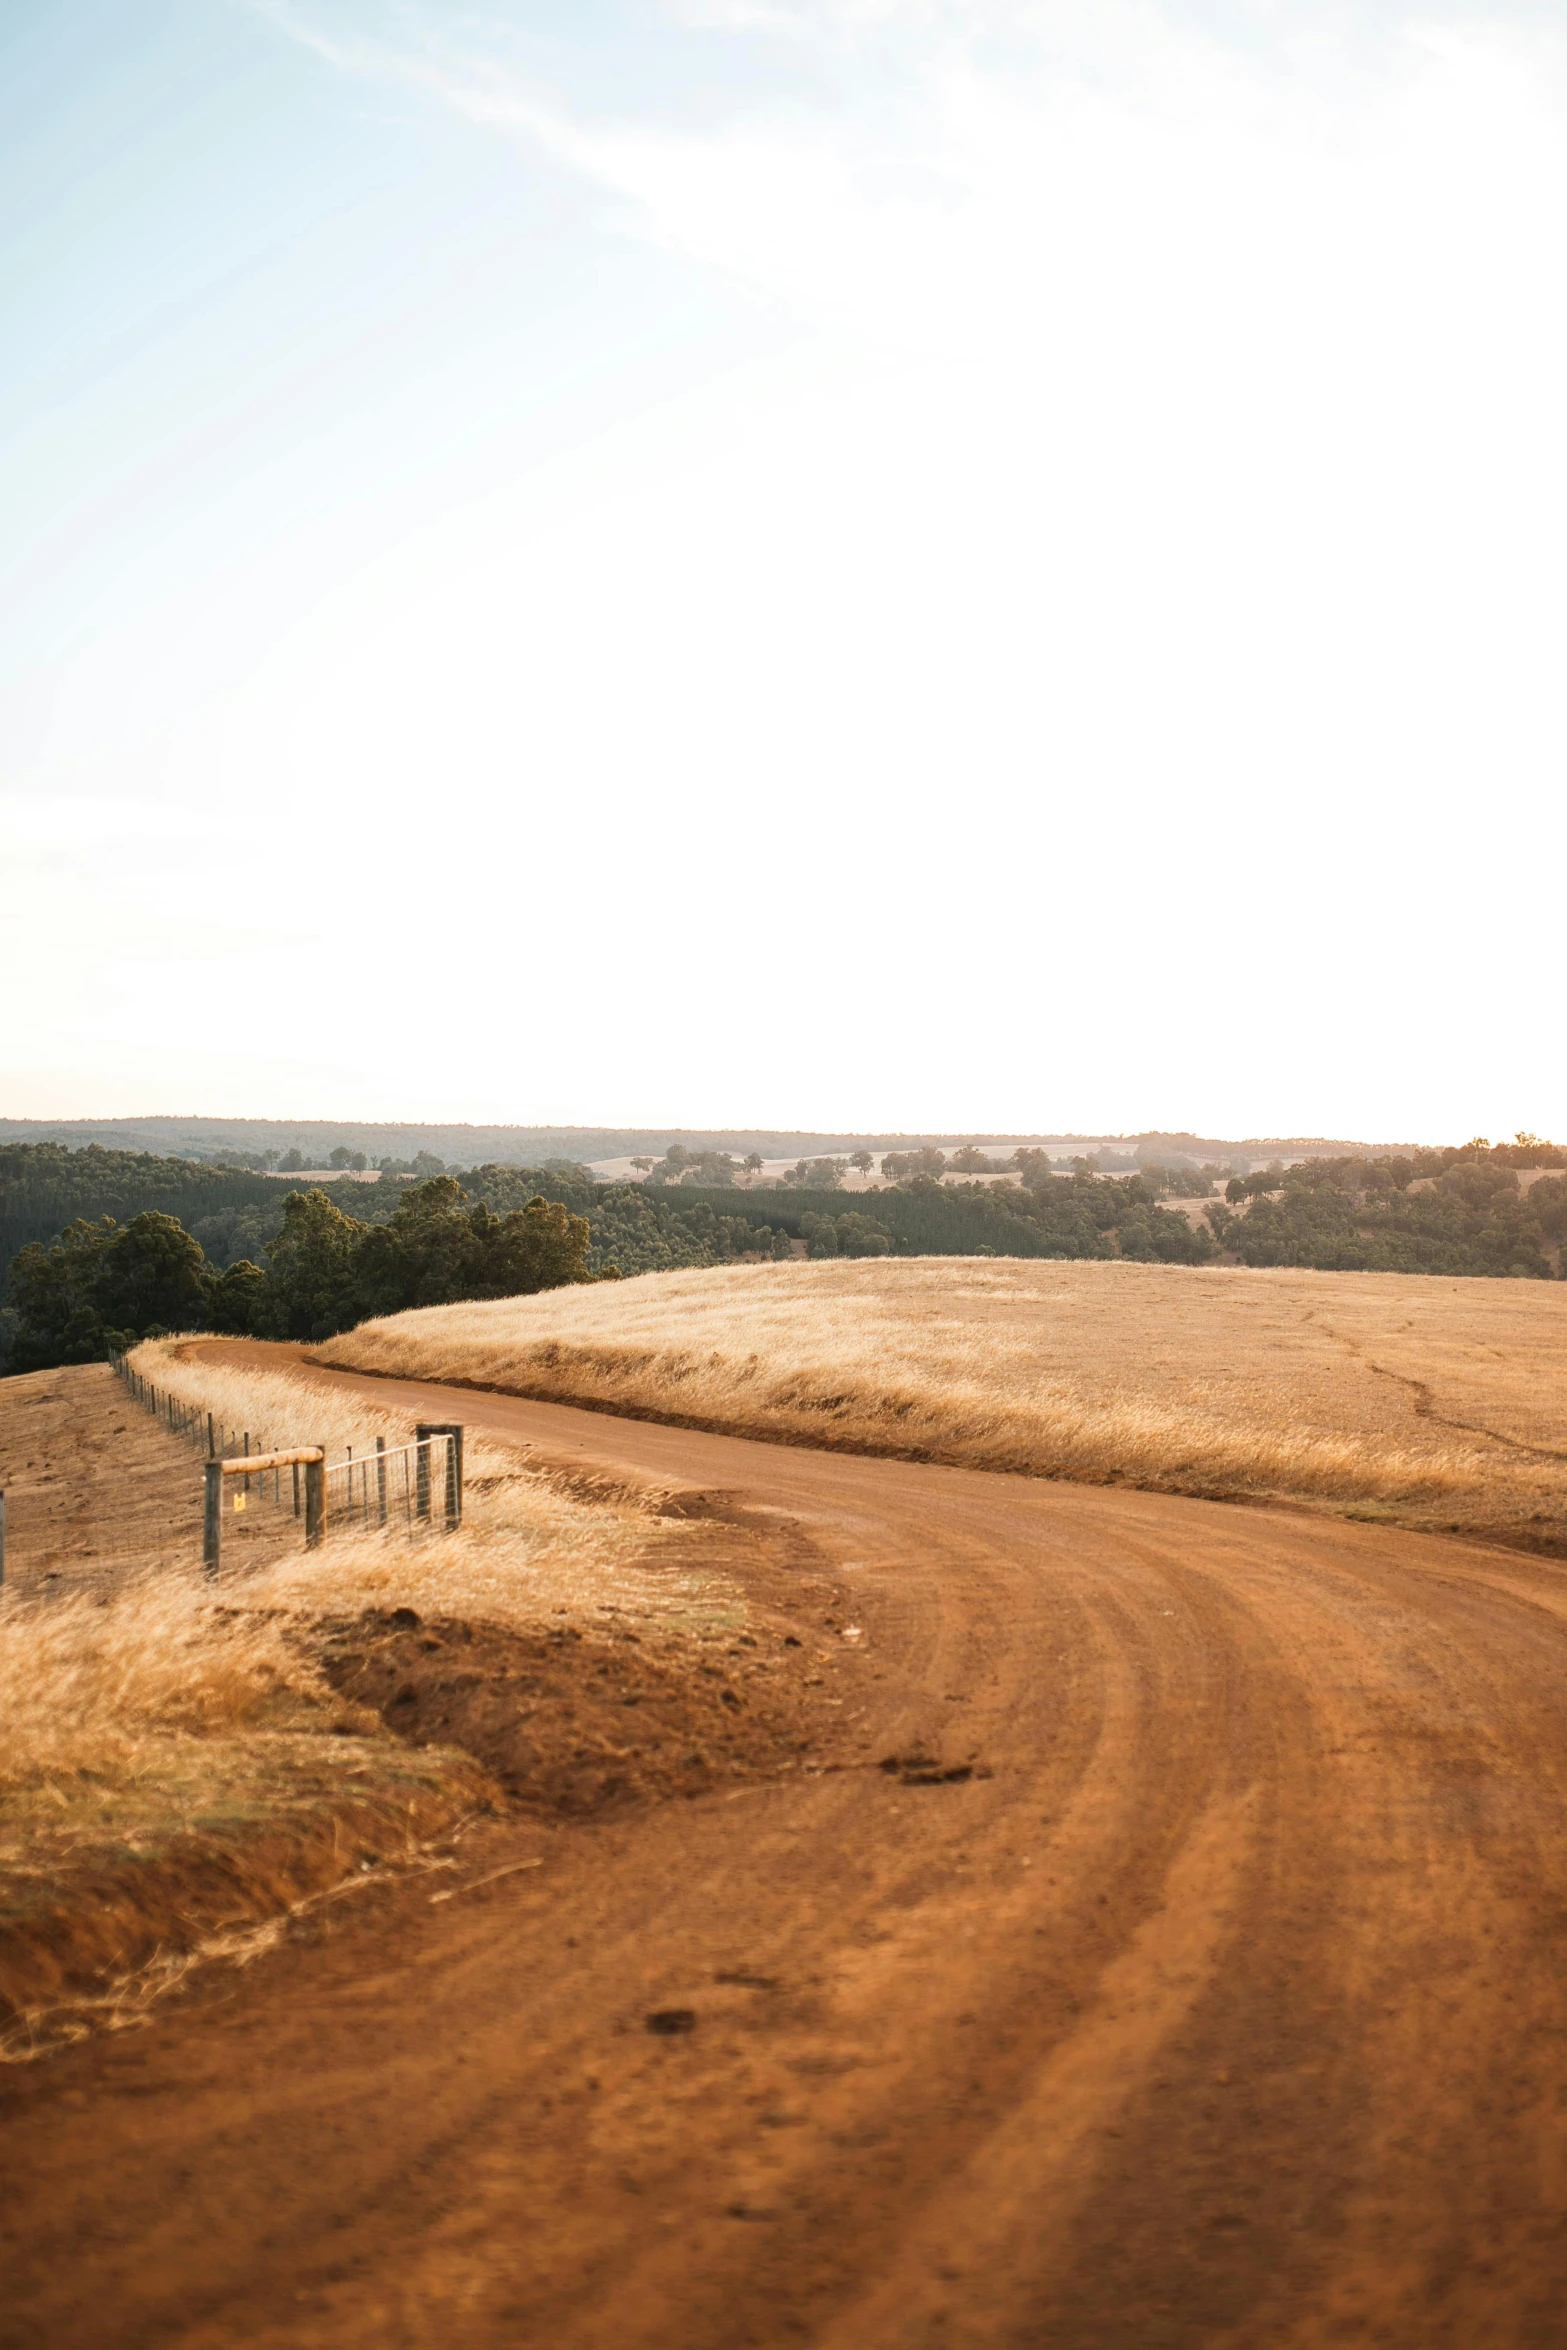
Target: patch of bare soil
[
  {"x": 97, "y": 1490},
  {"x": 82, "y": 1908},
  {"x": 571, "y": 1722}
]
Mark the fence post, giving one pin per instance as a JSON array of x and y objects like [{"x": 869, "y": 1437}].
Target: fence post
[
  {"x": 212, "y": 1515},
  {"x": 380, "y": 1479},
  {"x": 315, "y": 1501},
  {"x": 296, "y": 1489},
  {"x": 421, "y": 1470},
  {"x": 453, "y": 1477},
  {"x": 212, "y": 1442},
  {"x": 452, "y": 1430}
]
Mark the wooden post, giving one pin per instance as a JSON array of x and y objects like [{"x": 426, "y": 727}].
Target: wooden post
[
  {"x": 452, "y": 1430},
  {"x": 212, "y": 1442},
  {"x": 421, "y": 1471},
  {"x": 296, "y": 1489},
  {"x": 454, "y": 1477},
  {"x": 380, "y": 1479},
  {"x": 315, "y": 1501},
  {"x": 212, "y": 1516}
]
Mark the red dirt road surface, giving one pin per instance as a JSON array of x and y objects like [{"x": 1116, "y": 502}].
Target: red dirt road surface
[{"x": 1230, "y": 2008}]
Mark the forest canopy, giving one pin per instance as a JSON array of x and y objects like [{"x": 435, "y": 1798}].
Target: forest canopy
[
  {"x": 102, "y": 1286},
  {"x": 1473, "y": 1209}
]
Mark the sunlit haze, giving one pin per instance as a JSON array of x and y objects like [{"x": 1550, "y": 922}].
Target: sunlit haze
[{"x": 899, "y": 566}]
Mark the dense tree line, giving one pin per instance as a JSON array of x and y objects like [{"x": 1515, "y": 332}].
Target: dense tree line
[
  {"x": 1461, "y": 1210},
  {"x": 848, "y": 1235},
  {"x": 103, "y": 1284},
  {"x": 233, "y": 1211},
  {"x": 1177, "y": 1177},
  {"x": 44, "y": 1186},
  {"x": 1080, "y": 1216}
]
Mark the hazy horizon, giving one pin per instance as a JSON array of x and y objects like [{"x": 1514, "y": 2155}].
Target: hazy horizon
[{"x": 150, "y": 1125}]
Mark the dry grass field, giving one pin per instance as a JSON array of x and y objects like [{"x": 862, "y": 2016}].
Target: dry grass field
[{"x": 1435, "y": 1403}]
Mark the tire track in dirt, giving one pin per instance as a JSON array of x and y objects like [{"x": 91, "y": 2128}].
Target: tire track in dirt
[{"x": 1227, "y": 2011}]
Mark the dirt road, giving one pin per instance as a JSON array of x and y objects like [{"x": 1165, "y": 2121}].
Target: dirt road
[{"x": 1230, "y": 2009}]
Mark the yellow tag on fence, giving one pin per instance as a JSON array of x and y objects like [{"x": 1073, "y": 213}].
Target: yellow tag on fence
[{"x": 239, "y": 1501}]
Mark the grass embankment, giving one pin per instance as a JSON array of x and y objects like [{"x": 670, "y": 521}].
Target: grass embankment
[
  {"x": 180, "y": 1760},
  {"x": 1432, "y": 1403}
]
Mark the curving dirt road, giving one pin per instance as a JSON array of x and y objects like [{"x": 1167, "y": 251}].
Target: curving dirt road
[{"x": 1230, "y": 2010}]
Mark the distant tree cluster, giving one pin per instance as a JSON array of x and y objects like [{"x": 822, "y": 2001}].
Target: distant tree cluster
[
  {"x": 1460, "y": 1210},
  {"x": 1081, "y": 1216},
  {"x": 714, "y": 1169},
  {"x": 1179, "y": 1178},
  {"x": 968, "y": 1159},
  {"x": 1090, "y": 1215},
  {"x": 290, "y": 1162},
  {"x": 422, "y": 1165},
  {"x": 44, "y": 1186},
  {"x": 848, "y": 1235},
  {"x": 817, "y": 1174},
  {"x": 229, "y": 1156},
  {"x": 904, "y": 1166}
]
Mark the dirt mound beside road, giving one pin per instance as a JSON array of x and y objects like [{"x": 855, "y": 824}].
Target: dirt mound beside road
[
  {"x": 95, "y": 1923},
  {"x": 571, "y": 1723}
]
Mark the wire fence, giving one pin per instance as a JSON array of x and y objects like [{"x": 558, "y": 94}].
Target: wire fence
[
  {"x": 411, "y": 1485},
  {"x": 415, "y": 1488}
]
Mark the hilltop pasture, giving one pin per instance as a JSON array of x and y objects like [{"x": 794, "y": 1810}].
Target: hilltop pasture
[{"x": 1437, "y": 1403}]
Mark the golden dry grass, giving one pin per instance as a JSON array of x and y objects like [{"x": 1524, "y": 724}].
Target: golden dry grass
[
  {"x": 527, "y": 1546},
  {"x": 89, "y": 1684},
  {"x": 1432, "y": 1402}
]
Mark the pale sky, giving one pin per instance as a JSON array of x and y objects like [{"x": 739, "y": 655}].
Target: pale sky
[{"x": 920, "y": 564}]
